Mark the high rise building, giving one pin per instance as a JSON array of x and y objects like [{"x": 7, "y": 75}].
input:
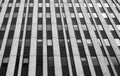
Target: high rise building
[{"x": 59, "y": 38}]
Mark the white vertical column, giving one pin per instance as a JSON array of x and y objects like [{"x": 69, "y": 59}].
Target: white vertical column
[
  {"x": 14, "y": 47},
  {"x": 33, "y": 49},
  {"x": 45, "y": 68},
  {"x": 56, "y": 48}
]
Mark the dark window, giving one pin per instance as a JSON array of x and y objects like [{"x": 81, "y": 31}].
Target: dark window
[
  {"x": 92, "y": 50},
  {"x": 79, "y": 10},
  {"x": 87, "y": 35},
  {"x": 40, "y": 9},
  {"x": 77, "y": 34},
  {"x": 82, "y": 51},
  {"x": 16, "y": 10},
  {"x": 108, "y": 21},
  {"x": 11, "y": 34},
  {"x": 51, "y": 71},
  {"x": 13, "y": 21},
  {"x": 3, "y": 69},
  {"x": 28, "y": 35},
  {"x": 102, "y": 10},
  {"x": 62, "y": 51},
  {"x": 10, "y": 1},
  {"x": 29, "y": 21},
  {"x": 8, "y": 10},
  {"x": 49, "y": 34},
  {"x": 116, "y": 21},
  {"x": 92, "y": 9},
  {"x": 69, "y": 1},
  {"x": 74, "y": 21},
  {"x": 7, "y": 51},
  {"x": 18, "y": 1},
  {"x": 55, "y": 1},
  {"x": 47, "y": 9},
  {"x": 82, "y": 20},
  {"x": 47, "y": 1},
  {"x": 1, "y": 34},
  {"x": 50, "y": 51},
  {"x": 110, "y": 10},
  {"x": 86, "y": 71},
  {"x": 31, "y": 1},
  {"x": 98, "y": 71},
  {"x": 40, "y": 21},
  {"x": 48, "y": 21},
  {"x": 30, "y": 9},
  {"x": 26, "y": 51},
  {"x": 97, "y": 20},
  {"x": 39, "y": 50},
  {"x": 40, "y": 1},
  {"x": 60, "y": 34},
  {"x": 39, "y": 68},
  {"x": 5, "y": 21},
  {"x": 59, "y": 22},
  {"x": 39, "y": 35},
  {"x": 114, "y": 34},
  {"x": 110, "y": 50},
  {"x": 104, "y": 36},
  {"x": 24, "y": 70},
  {"x": 65, "y": 69},
  {"x": 71, "y": 9},
  {"x": 57, "y": 10}
]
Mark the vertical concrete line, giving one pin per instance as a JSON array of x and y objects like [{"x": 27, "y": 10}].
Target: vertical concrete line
[
  {"x": 56, "y": 48},
  {"x": 45, "y": 65},
  {"x": 23, "y": 40},
  {"x": 65, "y": 39},
  {"x": 84, "y": 42},
  {"x": 106, "y": 51},
  {"x": 14, "y": 47},
  {"x": 33, "y": 44},
  {"x": 76, "y": 55}
]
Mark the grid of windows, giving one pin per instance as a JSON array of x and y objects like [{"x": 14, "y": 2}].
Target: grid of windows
[{"x": 59, "y": 37}]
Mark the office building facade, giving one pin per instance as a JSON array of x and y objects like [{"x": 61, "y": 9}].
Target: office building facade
[{"x": 59, "y": 38}]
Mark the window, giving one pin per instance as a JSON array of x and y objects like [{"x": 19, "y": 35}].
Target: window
[
  {"x": 57, "y": 10},
  {"x": 87, "y": 35},
  {"x": 40, "y": 9},
  {"x": 48, "y": 21},
  {"x": 16, "y": 9},
  {"x": 92, "y": 51},
  {"x": 39, "y": 35},
  {"x": 47, "y": 9},
  {"x": 49, "y": 51},
  {"x": 40, "y": 21},
  {"x": 28, "y": 35},
  {"x": 82, "y": 20}
]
